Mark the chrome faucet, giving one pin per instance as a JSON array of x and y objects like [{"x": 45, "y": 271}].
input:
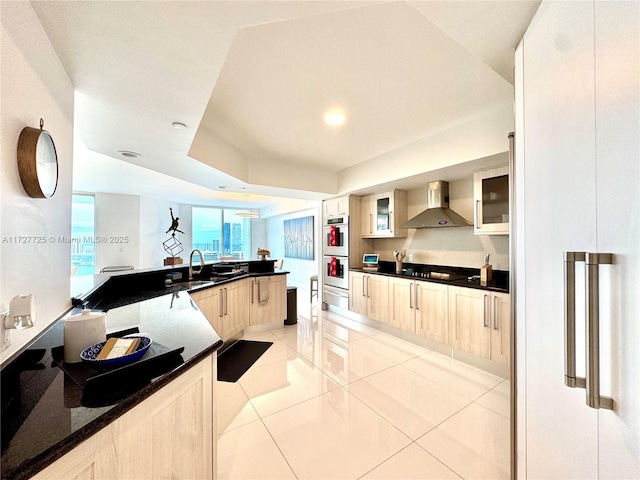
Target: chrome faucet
[{"x": 191, "y": 271}]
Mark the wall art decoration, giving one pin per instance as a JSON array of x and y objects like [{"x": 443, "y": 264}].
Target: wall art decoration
[{"x": 298, "y": 238}]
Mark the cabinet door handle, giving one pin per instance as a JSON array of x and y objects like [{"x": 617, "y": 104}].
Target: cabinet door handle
[
  {"x": 570, "y": 378},
  {"x": 495, "y": 314},
  {"x": 417, "y": 297},
  {"x": 226, "y": 302},
  {"x": 371, "y": 223},
  {"x": 391, "y": 221},
  {"x": 594, "y": 400},
  {"x": 484, "y": 319},
  {"x": 252, "y": 284},
  {"x": 221, "y": 302},
  {"x": 410, "y": 295},
  {"x": 477, "y": 214},
  {"x": 368, "y": 293},
  {"x": 364, "y": 281}
]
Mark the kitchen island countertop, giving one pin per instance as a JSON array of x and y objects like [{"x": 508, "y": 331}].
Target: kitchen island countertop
[{"x": 45, "y": 414}]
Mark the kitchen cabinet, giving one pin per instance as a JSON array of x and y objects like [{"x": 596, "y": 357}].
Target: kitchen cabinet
[
  {"x": 169, "y": 435},
  {"x": 209, "y": 302},
  {"x": 382, "y": 214},
  {"x": 491, "y": 201},
  {"x": 274, "y": 309},
  {"x": 335, "y": 206},
  {"x": 479, "y": 322},
  {"x": 402, "y": 304},
  {"x": 236, "y": 308},
  {"x": 369, "y": 295},
  {"x": 577, "y": 183},
  {"x": 432, "y": 311},
  {"x": 419, "y": 307},
  {"x": 226, "y": 307}
]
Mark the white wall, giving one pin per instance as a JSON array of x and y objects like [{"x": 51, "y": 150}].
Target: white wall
[
  {"x": 117, "y": 223},
  {"x": 34, "y": 85},
  {"x": 155, "y": 220},
  {"x": 143, "y": 221},
  {"x": 456, "y": 246},
  {"x": 273, "y": 239}
]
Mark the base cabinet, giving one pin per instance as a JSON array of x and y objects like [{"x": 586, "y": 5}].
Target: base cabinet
[
  {"x": 169, "y": 435},
  {"x": 225, "y": 307},
  {"x": 479, "y": 322},
  {"x": 369, "y": 295},
  {"x": 432, "y": 311},
  {"x": 274, "y": 308},
  {"x": 402, "y": 304},
  {"x": 419, "y": 307}
]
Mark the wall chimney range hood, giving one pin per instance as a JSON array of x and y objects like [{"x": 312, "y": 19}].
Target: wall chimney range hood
[{"x": 438, "y": 214}]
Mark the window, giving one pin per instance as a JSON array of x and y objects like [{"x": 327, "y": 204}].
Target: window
[
  {"x": 218, "y": 233},
  {"x": 82, "y": 235}
]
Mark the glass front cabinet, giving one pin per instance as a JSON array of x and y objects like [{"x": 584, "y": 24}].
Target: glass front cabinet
[
  {"x": 383, "y": 213},
  {"x": 491, "y": 196}
]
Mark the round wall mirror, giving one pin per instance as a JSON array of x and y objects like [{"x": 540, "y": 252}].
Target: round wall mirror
[{"x": 37, "y": 162}]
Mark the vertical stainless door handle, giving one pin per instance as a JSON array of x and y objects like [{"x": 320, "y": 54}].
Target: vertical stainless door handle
[
  {"x": 368, "y": 278},
  {"x": 410, "y": 294},
  {"x": 495, "y": 314},
  {"x": 221, "y": 302},
  {"x": 364, "y": 281},
  {"x": 485, "y": 311},
  {"x": 594, "y": 400},
  {"x": 417, "y": 296},
  {"x": 371, "y": 223},
  {"x": 477, "y": 213},
  {"x": 252, "y": 284},
  {"x": 570, "y": 379}
]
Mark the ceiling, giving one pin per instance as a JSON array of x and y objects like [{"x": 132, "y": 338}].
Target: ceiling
[{"x": 251, "y": 80}]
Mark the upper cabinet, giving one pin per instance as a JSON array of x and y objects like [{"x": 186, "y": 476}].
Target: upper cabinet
[
  {"x": 383, "y": 213},
  {"x": 491, "y": 201},
  {"x": 335, "y": 206}
]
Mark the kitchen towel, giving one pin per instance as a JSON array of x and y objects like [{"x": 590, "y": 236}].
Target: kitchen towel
[
  {"x": 263, "y": 290},
  {"x": 332, "y": 236},
  {"x": 333, "y": 267}
]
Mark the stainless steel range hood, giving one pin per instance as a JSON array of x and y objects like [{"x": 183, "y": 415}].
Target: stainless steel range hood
[{"x": 438, "y": 214}]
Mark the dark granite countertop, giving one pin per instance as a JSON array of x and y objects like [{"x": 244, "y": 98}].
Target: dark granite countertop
[
  {"x": 459, "y": 276},
  {"x": 45, "y": 414}
]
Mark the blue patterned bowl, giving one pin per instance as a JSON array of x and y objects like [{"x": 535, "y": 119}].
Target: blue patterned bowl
[{"x": 89, "y": 354}]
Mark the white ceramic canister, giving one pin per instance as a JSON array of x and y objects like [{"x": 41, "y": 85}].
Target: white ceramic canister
[{"x": 82, "y": 331}]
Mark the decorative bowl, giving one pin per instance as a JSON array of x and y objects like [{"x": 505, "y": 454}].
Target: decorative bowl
[{"x": 90, "y": 354}]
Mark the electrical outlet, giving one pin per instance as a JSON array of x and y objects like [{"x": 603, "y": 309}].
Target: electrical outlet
[{"x": 411, "y": 257}]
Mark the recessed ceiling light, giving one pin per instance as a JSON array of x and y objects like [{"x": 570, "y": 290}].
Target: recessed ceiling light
[
  {"x": 334, "y": 117},
  {"x": 223, "y": 187},
  {"x": 126, "y": 153},
  {"x": 179, "y": 126}
]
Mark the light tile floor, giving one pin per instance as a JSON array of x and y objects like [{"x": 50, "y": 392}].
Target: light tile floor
[{"x": 335, "y": 399}]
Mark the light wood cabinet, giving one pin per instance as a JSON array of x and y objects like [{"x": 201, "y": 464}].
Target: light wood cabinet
[
  {"x": 169, "y": 435},
  {"x": 479, "y": 322},
  {"x": 402, "y": 304},
  {"x": 209, "y": 302},
  {"x": 335, "y": 206},
  {"x": 501, "y": 328},
  {"x": 419, "y": 307},
  {"x": 382, "y": 214},
  {"x": 274, "y": 309},
  {"x": 432, "y": 311},
  {"x": 368, "y": 295},
  {"x": 225, "y": 307},
  {"x": 236, "y": 308},
  {"x": 491, "y": 201}
]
